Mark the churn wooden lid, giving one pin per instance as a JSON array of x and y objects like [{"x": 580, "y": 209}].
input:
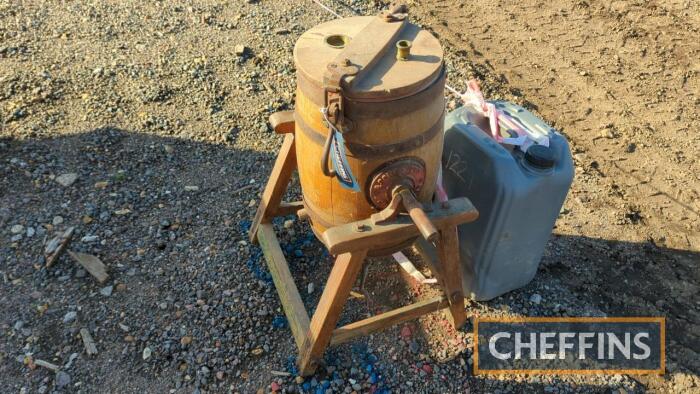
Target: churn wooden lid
[{"x": 370, "y": 43}]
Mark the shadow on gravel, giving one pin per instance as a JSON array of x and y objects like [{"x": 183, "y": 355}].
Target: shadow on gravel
[
  {"x": 632, "y": 279},
  {"x": 587, "y": 276},
  {"x": 167, "y": 217}
]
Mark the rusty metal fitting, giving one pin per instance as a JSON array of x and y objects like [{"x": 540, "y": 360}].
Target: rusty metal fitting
[
  {"x": 361, "y": 228},
  {"x": 403, "y": 49}
]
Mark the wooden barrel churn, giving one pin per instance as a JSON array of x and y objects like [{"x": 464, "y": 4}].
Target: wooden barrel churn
[{"x": 381, "y": 80}]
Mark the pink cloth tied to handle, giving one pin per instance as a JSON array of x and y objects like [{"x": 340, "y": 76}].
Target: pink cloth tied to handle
[{"x": 474, "y": 98}]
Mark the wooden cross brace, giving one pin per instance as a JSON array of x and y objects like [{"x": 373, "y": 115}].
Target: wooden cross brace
[{"x": 350, "y": 244}]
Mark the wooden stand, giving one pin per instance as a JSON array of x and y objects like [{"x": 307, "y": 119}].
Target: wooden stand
[{"x": 350, "y": 244}]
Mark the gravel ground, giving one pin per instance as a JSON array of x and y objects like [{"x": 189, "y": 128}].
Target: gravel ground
[{"x": 143, "y": 125}]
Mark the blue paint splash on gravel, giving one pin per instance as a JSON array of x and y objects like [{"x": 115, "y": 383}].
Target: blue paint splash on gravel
[{"x": 254, "y": 262}]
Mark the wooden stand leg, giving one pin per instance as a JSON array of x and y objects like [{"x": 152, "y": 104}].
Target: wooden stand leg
[
  {"x": 276, "y": 186},
  {"x": 342, "y": 277},
  {"x": 452, "y": 275},
  {"x": 284, "y": 282}
]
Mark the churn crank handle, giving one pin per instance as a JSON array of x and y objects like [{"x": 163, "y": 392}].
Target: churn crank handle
[{"x": 415, "y": 210}]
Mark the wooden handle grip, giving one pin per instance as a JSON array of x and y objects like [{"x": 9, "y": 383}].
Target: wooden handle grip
[
  {"x": 418, "y": 215},
  {"x": 282, "y": 122}
]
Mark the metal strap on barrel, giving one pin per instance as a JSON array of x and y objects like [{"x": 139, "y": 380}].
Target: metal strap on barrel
[
  {"x": 367, "y": 152},
  {"x": 358, "y": 56}
]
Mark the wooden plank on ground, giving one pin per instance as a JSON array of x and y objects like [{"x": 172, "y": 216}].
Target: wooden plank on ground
[
  {"x": 92, "y": 264},
  {"x": 345, "y": 238},
  {"x": 287, "y": 290},
  {"x": 386, "y": 320},
  {"x": 47, "y": 365},
  {"x": 55, "y": 247},
  {"x": 88, "y": 342},
  {"x": 411, "y": 269}
]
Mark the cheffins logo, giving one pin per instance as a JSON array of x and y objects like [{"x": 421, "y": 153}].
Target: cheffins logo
[{"x": 570, "y": 345}]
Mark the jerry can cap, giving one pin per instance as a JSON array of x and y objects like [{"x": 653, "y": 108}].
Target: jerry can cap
[{"x": 540, "y": 156}]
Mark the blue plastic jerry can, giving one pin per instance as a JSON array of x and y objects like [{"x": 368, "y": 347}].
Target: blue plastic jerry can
[{"x": 518, "y": 191}]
